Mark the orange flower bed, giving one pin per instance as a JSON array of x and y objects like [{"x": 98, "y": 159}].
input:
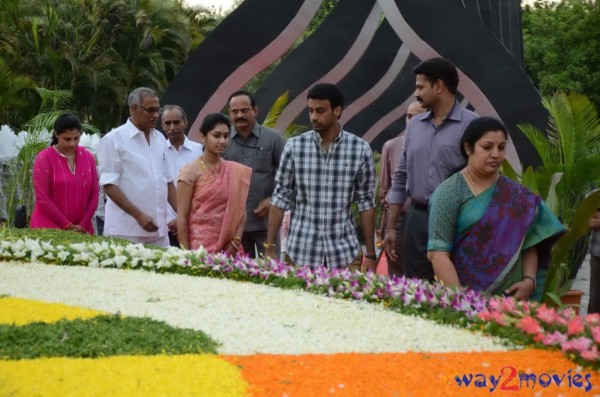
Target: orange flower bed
[{"x": 417, "y": 374}]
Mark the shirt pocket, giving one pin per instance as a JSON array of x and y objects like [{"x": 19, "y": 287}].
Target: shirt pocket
[{"x": 262, "y": 161}]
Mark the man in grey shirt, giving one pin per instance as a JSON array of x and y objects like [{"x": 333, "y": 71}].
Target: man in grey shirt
[
  {"x": 259, "y": 148},
  {"x": 431, "y": 154}
]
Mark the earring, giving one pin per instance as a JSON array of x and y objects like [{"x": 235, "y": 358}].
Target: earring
[{"x": 468, "y": 153}]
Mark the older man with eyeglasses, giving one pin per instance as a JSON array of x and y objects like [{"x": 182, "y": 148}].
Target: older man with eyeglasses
[{"x": 133, "y": 172}]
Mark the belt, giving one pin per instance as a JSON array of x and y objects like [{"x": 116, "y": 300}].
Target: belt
[{"x": 421, "y": 206}]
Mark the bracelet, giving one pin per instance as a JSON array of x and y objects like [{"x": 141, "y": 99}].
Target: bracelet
[
  {"x": 237, "y": 238},
  {"x": 269, "y": 245},
  {"x": 371, "y": 256},
  {"x": 532, "y": 280},
  {"x": 236, "y": 246}
]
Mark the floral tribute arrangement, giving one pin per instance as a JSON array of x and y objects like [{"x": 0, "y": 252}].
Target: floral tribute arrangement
[{"x": 532, "y": 366}]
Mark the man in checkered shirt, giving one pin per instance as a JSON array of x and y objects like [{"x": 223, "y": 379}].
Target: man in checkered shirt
[{"x": 321, "y": 173}]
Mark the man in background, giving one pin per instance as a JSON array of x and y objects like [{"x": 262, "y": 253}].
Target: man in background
[
  {"x": 390, "y": 158},
  {"x": 259, "y": 148},
  {"x": 179, "y": 151},
  {"x": 133, "y": 172},
  {"x": 431, "y": 154}
]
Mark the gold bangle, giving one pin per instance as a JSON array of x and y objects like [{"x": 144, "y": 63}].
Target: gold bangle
[
  {"x": 237, "y": 238},
  {"x": 236, "y": 246},
  {"x": 269, "y": 245}
]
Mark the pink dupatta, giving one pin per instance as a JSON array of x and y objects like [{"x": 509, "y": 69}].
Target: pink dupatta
[{"x": 218, "y": 204}]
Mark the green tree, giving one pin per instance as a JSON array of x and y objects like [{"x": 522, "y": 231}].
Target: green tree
[
  {"x": 203, "y": 22},
  {"x": 16, "y": 94},
  {"x": 570, "y": 149},
  {"x": 562, "y": 46},
  {"x": 99, "y": 50},
  {"x": 571, "y": 146}
]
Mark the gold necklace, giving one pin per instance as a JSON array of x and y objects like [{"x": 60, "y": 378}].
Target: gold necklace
[
  {"x": 472, "y": 182},
  {"x": 209, "y": 167},
  {"x": 70, "y": 160},
  {"x": 67, "y": 156}
]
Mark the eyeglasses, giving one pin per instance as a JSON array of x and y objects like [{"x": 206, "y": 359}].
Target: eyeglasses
[{"x": 150, "y": 110}]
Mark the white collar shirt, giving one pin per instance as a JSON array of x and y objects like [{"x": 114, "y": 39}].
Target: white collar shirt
[
  {"x": 140, "y": 170},
  {"x": 188, "y": 152}
]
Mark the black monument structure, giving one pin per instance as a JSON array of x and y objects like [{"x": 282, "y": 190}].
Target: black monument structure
[{"x": 367, "y": 48}]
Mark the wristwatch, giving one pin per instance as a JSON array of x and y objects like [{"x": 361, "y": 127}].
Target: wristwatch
[{"x": 371, "y": 256}]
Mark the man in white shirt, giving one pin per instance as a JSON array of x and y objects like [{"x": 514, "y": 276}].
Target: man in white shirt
[
  {"x": 179, "y": 150},
  {"x": 133, "y": 172}
]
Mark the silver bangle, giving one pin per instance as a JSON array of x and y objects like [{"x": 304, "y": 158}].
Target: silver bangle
[{"x": 532, "y": 280}]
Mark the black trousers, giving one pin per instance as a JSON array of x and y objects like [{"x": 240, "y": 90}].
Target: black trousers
[
  {"x": 253, "y": 241},
  {"x": 173, "y": 240},
  {"x": 416, "y": 233}
]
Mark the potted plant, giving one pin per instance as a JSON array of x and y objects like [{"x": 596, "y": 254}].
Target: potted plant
[
  {"x": 558, "y": 282},
  {"x": 570, "y": 154}
]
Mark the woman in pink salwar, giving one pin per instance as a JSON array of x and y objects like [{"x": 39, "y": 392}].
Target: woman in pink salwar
[
  {"x": 211, "y": 194},
  {"x": 65, "y": 181}
]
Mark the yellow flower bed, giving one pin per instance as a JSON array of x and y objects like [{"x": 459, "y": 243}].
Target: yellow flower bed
[
  {"x": 181, "y": 375},
  {"x": 527, "y": 372},
  {"x": 24, "y": 311},
  {"x": 144, "y": 376}
]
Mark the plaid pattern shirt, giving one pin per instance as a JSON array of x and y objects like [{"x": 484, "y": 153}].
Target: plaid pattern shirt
[{"x": 319, "y": 188}]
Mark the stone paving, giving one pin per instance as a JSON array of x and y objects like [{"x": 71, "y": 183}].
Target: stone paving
[{"x": 582, "y": 282}]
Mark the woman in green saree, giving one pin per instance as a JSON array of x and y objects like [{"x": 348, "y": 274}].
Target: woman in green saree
[{"x": 487, "y": 232}]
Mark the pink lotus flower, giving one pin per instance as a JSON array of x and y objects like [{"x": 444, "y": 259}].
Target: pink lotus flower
[
  {"x": 596, "y": 333},
  {"x": 591, "y": 354},
  {"x": 578, "y": 344},
  {"x": 484, "y": 315},
  {"x": 555, "y": 338},
  {"x": 526, "y": 306},
  {"x": 593, "y": 319},
  {"x": 539, "y": 337},
  {"x": 529, "y": 325},
  {"x": 499, "y": 318},
  {"x": 545, "y": 314},
  {"x": 508, "y": 305},
  {"x": 575, "y": 326}
]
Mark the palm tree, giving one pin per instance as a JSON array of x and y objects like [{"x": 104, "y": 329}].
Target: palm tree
[
  {"x": 16, "y": 96},
  {"x": 203, "y": 21},
  {"x": 570, "y": 148},
  {"x": 278, "y": 107},
  {"x": 98, "y": 49}
]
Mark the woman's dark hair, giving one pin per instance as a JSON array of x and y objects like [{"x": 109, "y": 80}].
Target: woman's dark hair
[
  {"x": 211, "y": 120},
  {"x": 478, "y": 128},
  {"x": 65, "y": 122}
]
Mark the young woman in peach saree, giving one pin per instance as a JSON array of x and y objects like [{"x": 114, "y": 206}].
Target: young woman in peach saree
[{"x": 211, "y": 194}]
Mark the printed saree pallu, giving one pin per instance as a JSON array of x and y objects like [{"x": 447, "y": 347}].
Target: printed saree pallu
[
  {"x": 218, "y": 205},
  {"x": 487, "y": 255}
]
